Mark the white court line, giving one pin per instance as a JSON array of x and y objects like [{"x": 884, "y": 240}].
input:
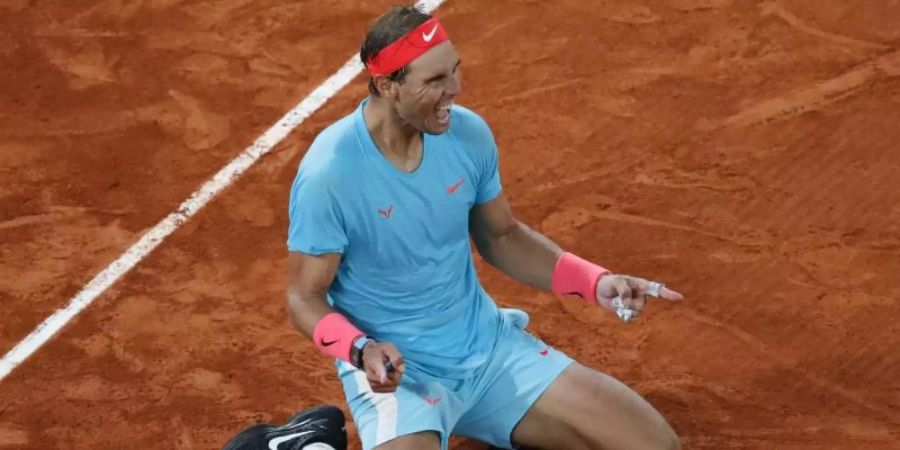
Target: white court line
[{"x": 195, "y": 202}]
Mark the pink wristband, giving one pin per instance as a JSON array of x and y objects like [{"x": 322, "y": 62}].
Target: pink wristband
[
  {"x": 334, "y": 335},
  {"x": 575, "y": 276}
]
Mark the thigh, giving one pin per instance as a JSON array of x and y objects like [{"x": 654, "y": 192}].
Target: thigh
[
  {"x": 416, "y": 415},
  {"x": 585, "y": 409},
  {"x": 522, "y": 367}
]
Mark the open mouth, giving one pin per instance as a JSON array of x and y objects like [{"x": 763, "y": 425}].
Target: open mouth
[{"x": 443, "y": 113}]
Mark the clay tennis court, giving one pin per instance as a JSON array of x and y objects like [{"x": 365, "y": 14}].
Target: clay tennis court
[{"x": 744, "y": 152}]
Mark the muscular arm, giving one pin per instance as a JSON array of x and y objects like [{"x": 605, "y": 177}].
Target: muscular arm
[
  {"x": 309, "y": 278},
  {"x": 511, "y": 246}
]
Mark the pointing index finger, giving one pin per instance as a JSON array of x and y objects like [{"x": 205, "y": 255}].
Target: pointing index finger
[{"x": 660, "y": 290}]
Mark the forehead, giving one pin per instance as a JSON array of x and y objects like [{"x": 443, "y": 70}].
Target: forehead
[{"x": 441, "y": 58}]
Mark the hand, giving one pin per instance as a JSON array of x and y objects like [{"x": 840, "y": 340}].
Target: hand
[
  {"x": 632, "y": 292},
  {"x": 376, "y": 356}
]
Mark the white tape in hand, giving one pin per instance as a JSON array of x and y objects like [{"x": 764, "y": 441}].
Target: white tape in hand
[{"x": 625, "y": 313}]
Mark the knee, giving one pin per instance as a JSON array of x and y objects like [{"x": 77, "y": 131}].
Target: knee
[
  {"x": 675, "y": 444},
  {"x": 650, "y": 437},
  {"x": 659, "y": 439},
  {"x": 666, "y": 439}
]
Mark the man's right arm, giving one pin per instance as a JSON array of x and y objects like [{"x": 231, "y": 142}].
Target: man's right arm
[{"x": 309, "y": 277}]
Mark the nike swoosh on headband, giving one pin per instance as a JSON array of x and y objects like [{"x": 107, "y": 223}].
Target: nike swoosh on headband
[{"x": 427, "y": 37}]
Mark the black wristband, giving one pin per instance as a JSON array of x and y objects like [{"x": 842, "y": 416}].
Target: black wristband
[{"x": 356, "y": 351}]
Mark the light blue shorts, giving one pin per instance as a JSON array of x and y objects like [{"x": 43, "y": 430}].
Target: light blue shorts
[{"x": 486, "y": 408}]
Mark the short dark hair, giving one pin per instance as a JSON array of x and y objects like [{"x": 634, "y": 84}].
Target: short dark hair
[{"x": 386, "y": 29}]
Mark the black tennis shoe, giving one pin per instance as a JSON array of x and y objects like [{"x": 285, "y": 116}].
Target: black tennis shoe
[{"x": 322, "y": 425}]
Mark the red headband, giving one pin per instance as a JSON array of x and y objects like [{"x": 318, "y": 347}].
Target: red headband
[{"x": 406, "y": 49}]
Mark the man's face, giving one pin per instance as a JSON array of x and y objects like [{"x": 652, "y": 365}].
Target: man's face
[{"x": 432, "y": 83}]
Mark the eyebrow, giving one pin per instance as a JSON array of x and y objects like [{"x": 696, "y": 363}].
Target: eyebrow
[{"x": 441, "y": 75}]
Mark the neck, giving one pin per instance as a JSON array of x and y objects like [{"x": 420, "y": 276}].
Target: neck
[{"x": 396, "y": 139}]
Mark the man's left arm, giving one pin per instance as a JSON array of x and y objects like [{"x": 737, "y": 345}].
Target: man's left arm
[
  {"x": 533, "y": 259},
  {"x": 511, "y": 246}
]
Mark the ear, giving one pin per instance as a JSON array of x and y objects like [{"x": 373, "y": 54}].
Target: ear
[{"x": 386, "y": 88}]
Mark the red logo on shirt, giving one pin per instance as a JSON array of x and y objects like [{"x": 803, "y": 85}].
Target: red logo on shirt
[
  {"x": 544, "y": 352},
  {"x": 386, "y": 213},
  {"x": 452, "y": 189},
  {"x": 431, "y": 400}
]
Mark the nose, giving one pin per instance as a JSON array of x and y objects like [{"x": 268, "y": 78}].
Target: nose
[{"x": 454, "y": 85}]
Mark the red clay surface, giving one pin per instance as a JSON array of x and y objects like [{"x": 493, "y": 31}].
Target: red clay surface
[{"x": 744, "y": 152}]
